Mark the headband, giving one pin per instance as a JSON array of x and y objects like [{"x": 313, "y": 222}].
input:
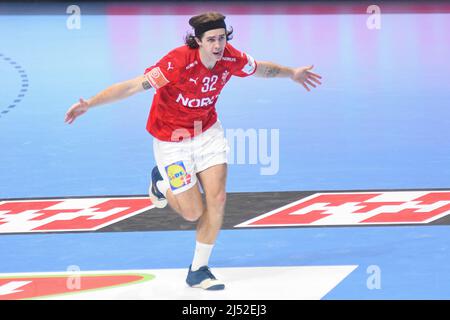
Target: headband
[{"x": 211, "y": 25}]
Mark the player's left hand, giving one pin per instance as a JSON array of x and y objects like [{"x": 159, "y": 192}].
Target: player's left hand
[{"x": 305, "y": 77}]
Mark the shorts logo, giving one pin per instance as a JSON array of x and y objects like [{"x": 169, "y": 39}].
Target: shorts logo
[
  {"x": 156, "y": 78},
  {"x": 178, "y": 177}
]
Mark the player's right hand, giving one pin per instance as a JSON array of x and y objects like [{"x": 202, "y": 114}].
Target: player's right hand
[{"x": 76, "y": 110}]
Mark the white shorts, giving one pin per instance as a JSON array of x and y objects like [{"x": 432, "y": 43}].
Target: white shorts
[{"x": 179, "y": 162}]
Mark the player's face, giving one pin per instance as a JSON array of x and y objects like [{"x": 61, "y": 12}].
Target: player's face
[{"x": 213, "y": 43}]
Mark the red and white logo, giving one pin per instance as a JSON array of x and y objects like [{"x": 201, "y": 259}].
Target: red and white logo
[
  {"x": 250, "y": 67},
  {"x": 358, "y": 208},
  {"x": 193, "y": 80},
  {"x": 37, "y": 286},
  {"x": 156, "y": 78},
  {"x": 87, "y": 214}
]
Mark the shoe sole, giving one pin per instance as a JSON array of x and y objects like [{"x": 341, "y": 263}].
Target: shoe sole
[
  {"x": 207, "y": 285},
  {"x": 155, "y": 200}
]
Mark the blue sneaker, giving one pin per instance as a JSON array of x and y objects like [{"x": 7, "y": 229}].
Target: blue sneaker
[
  {"x": 203, "y": 278},
  {"x": 156, "y": 196}
]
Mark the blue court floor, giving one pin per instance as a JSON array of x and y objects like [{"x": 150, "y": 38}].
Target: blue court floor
[{"x": 380, "y": 120}]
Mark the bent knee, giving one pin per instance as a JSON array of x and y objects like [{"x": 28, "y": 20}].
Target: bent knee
[
  {"x": 219, "y": 199},
  {"x": 191, "y": 215}
]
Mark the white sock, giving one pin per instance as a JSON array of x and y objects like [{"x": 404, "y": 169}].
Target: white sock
[
  {"x": 201, "y": 255},
  {"x": 162, "y": 186}
]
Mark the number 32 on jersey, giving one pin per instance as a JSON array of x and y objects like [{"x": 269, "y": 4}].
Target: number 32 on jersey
[{"x": 209, "y": 83}]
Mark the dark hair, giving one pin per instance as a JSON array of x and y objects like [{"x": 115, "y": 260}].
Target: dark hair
[{"x": 197, "y": 20}]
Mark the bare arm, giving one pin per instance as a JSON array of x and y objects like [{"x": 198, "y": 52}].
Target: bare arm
[
  {"x": 111, "y": 94},
  {"x": 119, "y": 91},
  {"x": 301, "y": 75},
  {"x": 267, "y": 69}
]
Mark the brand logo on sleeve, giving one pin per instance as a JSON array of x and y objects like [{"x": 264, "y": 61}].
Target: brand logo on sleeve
[
  {"x": 249, "y": 68},
  {"x": 156, "y": 78}
]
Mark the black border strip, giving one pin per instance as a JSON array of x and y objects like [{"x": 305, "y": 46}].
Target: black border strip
[{"x": 236, "y": 193}]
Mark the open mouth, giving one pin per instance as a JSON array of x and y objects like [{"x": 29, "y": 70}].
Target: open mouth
[{"x": 217, "y": 54}]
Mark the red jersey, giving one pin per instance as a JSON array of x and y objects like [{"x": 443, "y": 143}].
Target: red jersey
[{"x": 187, "y": 91}]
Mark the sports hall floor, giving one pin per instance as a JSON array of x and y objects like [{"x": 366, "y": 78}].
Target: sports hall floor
[{"x": 338, "y": 193}]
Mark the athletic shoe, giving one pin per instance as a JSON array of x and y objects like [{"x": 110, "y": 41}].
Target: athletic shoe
[
  {"x": 156, "y": 196},
  {"x": 203, "y": 278}
]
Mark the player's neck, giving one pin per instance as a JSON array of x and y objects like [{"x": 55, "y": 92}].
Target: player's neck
[{"x": 207, "y": 63}]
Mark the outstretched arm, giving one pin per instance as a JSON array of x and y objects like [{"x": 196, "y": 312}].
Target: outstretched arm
[
  {"x": 113, "y": 93},
  {"x": 302, "y": 75}
]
